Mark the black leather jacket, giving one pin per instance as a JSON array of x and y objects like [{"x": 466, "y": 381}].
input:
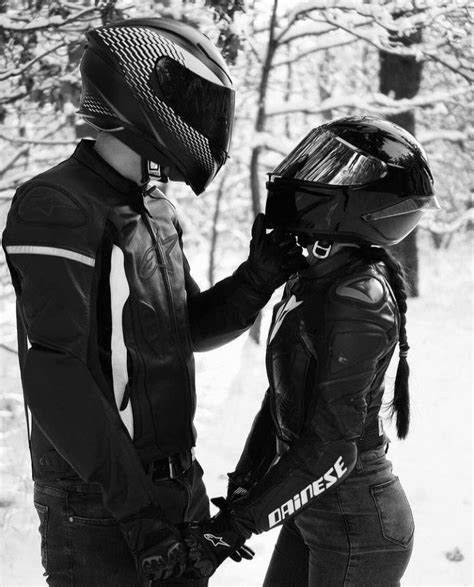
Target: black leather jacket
[
  {"x": 61, "y": 239},
  {"x": 330, "y": 343}
]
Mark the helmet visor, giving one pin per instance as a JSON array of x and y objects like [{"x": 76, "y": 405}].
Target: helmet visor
[
  {"x": 325, "y": 158},
  {"x": 206, "y": 106}
]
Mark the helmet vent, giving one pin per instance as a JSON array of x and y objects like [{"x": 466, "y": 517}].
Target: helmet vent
[{"x": 95, "y": 106}]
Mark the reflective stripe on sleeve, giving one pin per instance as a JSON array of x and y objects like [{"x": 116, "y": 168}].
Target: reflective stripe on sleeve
[{"x": 51, "y": 251}]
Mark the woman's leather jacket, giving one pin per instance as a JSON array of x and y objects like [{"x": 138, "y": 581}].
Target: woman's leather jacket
[{"x": 329, "y": 345}]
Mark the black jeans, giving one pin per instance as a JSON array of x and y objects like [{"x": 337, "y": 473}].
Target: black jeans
[
  {"x": 360, "y": 534},
  {"x": 81, "y": 544}
]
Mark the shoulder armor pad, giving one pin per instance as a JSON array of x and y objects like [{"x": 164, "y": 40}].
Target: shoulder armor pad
[
  {"x": 364, "y": 289},
  {"x": 50, "y": 205}
]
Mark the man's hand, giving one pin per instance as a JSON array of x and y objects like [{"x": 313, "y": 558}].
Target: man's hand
[
  {"x": 274, "y": 256},
  {"x": 157, "y": 547},
  {"x": 212, "y": 541}
]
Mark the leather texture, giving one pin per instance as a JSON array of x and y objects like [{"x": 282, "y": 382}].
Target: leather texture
[
  {"x": 329, "y": 345},
  {"x": 59, "y": 238}
]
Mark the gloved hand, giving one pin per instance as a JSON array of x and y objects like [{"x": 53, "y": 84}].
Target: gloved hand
[
  {"x": 274, "y": 256},
  {"x": 156, "y": 545},
  {"x": 212, "y": 541}
]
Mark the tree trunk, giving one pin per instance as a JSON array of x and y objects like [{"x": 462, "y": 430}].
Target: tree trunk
[
  {"x": 214, "y": 233},
  {"x": 288, "y": 94},
  {"x": 324, "y": 84},
  {"x": 259, "y": 127},
  {"x": 400, "y": 77}
]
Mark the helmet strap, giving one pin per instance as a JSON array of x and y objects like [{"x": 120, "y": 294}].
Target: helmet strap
[
  {"x": 322, "y": 249},
  {"x": 152, "y": 170},
  {"x": 145, "y": 174}
]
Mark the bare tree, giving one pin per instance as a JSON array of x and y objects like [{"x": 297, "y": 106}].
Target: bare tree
[{"x": 400, "y": 77}]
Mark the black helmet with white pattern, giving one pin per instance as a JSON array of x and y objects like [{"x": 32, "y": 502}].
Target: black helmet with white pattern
[{"x": 164, "y": 90}]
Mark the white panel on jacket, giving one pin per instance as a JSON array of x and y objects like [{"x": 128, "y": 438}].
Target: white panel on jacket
[{"x": 119, "y": 293}]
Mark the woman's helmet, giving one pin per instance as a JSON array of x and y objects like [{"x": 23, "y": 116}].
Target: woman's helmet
[
  {"x": 164, "y": 90},
  {"x": 355, "y": 179}
]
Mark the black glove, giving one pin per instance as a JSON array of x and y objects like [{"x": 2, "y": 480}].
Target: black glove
[
  {"x": 274, "y": 256},
  {"x": 157, "y": 546},
  {"x": 212, "y": 541}
]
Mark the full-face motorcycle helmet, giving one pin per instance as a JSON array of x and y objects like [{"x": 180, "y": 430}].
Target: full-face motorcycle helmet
[
  {"x": 164, "y": 90},
  {"x": 355, "y": 179}
]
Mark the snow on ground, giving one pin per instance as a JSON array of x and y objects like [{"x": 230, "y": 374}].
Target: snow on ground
[{"x": 434, "y": 463}]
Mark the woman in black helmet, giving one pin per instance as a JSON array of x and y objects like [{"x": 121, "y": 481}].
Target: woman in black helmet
[{"x": 315, "y": 460}]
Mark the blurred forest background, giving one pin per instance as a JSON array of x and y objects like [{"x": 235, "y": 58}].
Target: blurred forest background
[{"x": 295, "y": 65}]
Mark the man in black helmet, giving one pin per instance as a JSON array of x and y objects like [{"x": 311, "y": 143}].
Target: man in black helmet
[{"x": 112, "y": 314}]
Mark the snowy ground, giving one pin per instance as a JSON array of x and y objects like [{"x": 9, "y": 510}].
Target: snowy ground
[{"x": 434, "y": 463}]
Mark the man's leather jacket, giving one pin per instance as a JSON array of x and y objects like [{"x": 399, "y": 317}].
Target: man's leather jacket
[
  {"x": 329, "y": 345},
  {"x": 113, "y": 316}
]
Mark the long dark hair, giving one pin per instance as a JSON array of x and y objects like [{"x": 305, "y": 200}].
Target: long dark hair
[{"x": 400, "y": 404}]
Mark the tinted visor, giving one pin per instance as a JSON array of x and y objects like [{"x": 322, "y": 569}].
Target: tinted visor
[
  {"x": 294, "y": 206},
  {"x": 204, "y": 105},
  {"x": 325, "y": 158}
]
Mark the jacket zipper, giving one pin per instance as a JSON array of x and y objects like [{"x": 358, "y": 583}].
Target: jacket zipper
[{"x": 145, "y": 214}]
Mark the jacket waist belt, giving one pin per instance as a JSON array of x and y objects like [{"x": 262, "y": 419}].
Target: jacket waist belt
[{"x": 170, "y": 467}]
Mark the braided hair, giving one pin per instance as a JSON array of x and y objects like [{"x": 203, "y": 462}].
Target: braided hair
[{"x": 400, "y": 404}]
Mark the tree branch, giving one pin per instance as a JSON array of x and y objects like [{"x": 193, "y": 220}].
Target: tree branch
[
  {"x": 23, "y": 141},
  {"x": 39, "y": 24},
  {"x": 449, "y": 227},
  {"x": 24, "y": 150},
  {"x": 315, "y": 50},
  {"x": 434, "y": 57},
  {"x": 7, "y": 348},
  {"x": 416, "y": 50},
  {"x": 452, "y": 136},
  {"x": 7, "y": 73},
  {"x": 376, "y": 103}
]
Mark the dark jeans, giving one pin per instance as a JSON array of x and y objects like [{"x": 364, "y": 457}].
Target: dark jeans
[
  {"x": 81, "y": 544},
  {"x": 360, "y": 534}
]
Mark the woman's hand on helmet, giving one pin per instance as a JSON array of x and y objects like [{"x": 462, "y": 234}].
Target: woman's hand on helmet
[{"x": 274, "y": 256}]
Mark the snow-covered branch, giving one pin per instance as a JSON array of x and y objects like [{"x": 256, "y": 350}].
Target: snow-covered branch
[
  {"x": 435, "y": 57},
  {"x": 26, "y": 141},
  {"x": 375, "y": 103},
  {"x": 375, "y": 25},
  {"x": 25, "y": 149},
  {"x": 7, "y": 348},
  {"x": 421, "y": 14},
  {"x": 450, "y": 227},
  {"x": 7, "y": 73},
  {"x": 320, "y": 47},
  {"x": 451, "y": 136},
  {"x": 42, "y": 23}
]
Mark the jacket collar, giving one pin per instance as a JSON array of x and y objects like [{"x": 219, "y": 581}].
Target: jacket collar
[
  {"x": 88, "y": 156},
  {"x": 331, "y": 265}
]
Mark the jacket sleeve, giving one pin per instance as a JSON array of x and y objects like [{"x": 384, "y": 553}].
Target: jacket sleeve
[
  {"x": 50, "y": 248},
  {"x": 326, "y": 452},
  {"x": 259, "y": 450},
  {"x": 226, "y": 310}
]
